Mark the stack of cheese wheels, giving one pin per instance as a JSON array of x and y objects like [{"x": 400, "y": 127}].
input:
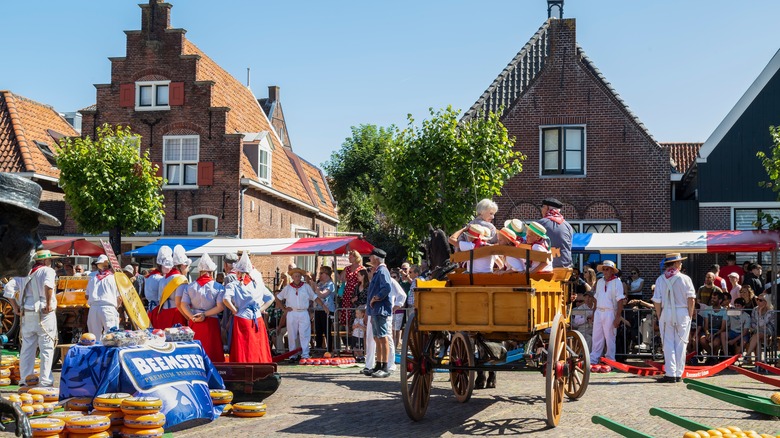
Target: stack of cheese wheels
[
  {"x": 110, "y": 402},
  {"x": 88, "y": 424},
  {"x": 36, "y": 398},
  {"x": 49, "y": 407},
  {"x": 50, "y": 394},
  {"x": 14, "y": 398},
  {"x": 116, "y": 417},
  {"x": 79, "y": 404},
  {"x": 220, "y": 396},
  {"x": 143, "y": 417},
  {"x": 5, "y": 376},
  {"x": 28, "y": 410},
  {"x": 46, "y": 427},
  {"x": 25, "y": 399},
  {"x": 37, "y": 408},
  {"x": 249, "y": 409},
  {"x": 141, "y": 405}
]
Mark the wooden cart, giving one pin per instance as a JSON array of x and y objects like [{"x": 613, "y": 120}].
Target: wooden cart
[{"x": 452, "y": 319}]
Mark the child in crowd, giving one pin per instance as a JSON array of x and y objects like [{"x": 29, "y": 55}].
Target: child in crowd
[{"x": 359, "y": 332}]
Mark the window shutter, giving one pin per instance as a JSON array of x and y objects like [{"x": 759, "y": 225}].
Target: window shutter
[
  {"x": 205, "y": 173},
  {"x": 176, "y": 94},
  {"x": 127, "y": 95},
  {"x": 159, "y": 168}
]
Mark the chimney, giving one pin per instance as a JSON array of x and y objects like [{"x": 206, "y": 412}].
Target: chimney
[
  {"x": 155, "y": 18},
  {"x": 273, "y": 93}
]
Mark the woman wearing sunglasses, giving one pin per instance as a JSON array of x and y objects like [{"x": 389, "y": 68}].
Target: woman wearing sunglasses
[{"x": 762, "y": 326}]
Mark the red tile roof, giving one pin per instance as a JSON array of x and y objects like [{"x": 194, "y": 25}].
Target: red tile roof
[
  {"x": 23, "y": 122},
  {"x": 683, "y": 155},
  {"x": 312, "y": 174}
]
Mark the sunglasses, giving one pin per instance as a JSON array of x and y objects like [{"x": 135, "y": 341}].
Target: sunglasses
[
  {"x": 634, "y": 273},
  {"x": 760, "y": 300},
  {"x": 579, "y": 301}
]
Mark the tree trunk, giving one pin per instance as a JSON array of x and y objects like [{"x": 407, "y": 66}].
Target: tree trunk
[{"x": 115, "y": 238}]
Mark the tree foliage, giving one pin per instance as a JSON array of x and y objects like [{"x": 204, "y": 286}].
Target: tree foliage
[
  {"x": 109, "y": 185},
  {"x": 436, "y": 173},
  {"x": 354, "y": 171}
]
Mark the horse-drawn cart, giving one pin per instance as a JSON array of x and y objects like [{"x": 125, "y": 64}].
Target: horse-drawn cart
[{"x": 456, "y": 324}]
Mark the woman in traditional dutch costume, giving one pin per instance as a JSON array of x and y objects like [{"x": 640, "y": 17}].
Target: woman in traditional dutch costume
[
  {"x": 175, "y": 281},
  {"x": 201, "y": 304},
  {"x": 246, "y": 301}
]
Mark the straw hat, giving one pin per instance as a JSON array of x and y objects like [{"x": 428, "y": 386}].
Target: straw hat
[
  {"x": 607, "y": 264},
  {"x": 508, "y": 234},
  {"x": 476, "y": 231},
  {"x": 537, "y": 228},
  {"x": 673, "y": 257},
  {"x": 303, "y": 272},
  {"x": 516, "y": 225},
  {"x": 42, "y": 254}
]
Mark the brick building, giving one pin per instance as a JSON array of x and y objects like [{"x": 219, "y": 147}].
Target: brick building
[
  {"x": 28, "y": 132},
  {"x": 583, "y": 144},
  {"x": 230, "y": 172}
]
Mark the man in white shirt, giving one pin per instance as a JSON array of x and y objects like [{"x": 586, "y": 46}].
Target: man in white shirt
[
  {"x": 39, "y": 321},
  {"x": 609, "y": 310},
  {"x": 103, "y": 299}
]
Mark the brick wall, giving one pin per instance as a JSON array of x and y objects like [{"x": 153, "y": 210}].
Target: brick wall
[{"x": 715, "y": 218}]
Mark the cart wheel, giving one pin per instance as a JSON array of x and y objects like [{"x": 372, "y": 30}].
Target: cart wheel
[
  {"x": 8, "y": 320},
  {"x": 416, "y": 370},
  {"x": 555, "y": 379},
  {"x": 461, "y": 355},
  {"x": 578, "y": 360}
]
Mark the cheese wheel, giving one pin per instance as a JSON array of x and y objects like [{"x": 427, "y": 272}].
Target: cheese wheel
[
  {"x": 145, "y": 421},
  {"x": 37, "y": 408},
  {"x": 88, "y": 424},
  {"x": 37, "y": 398},
  {"x": 49, "y": 407},
  {"x": 26, "y": 399},
  {"x": 23, "y": 389},
  {"x": 116, "y": 417},
  {"x": 142, "y": 433},
  {"x": 5, "y": 372},
  {"x": 46, "y": 426},
  {"x": 79, "y": 404},
  {"x": 103, "y": 434},
  {"x": 5, "y": 381},
  {"x": 50, "y": 394},
  {"x": 141, "y": 405},
  {"x": 7, "y": 361},
  {"x": 110, "y": 402},
  {"x": 221, "y": 396},
  {"x": 14, "y": 398},
  {"x": 249, "y": 409},
  {"x": 28, "y": 409},
  {"x": 32, "y": 380},
  {"x": 66, "y": 415}
]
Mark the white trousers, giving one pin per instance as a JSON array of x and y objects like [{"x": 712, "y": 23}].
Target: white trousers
[
  {"x": 675, "y": 339},
  {"x": 604, "y": 332},
  {"x": 299, "y": 331},
  {"x": 371, "y": 348},
  {"x": 39, "y": 331},
  {"x": 102, "y": 318}
]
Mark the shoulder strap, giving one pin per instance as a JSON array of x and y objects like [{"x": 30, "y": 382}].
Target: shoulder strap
[{"x": 172, "y": 285}]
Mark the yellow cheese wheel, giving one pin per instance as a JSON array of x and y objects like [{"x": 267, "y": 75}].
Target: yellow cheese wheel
[
  {"x": 26, "y": 399},
  {"x": 5, "y": 381},
  {"x": 145, "y": 421},
  {"x": 142, "y": 433},
  {"x": 141, "y": 405},
  {"x": 249, "y": 409},
  {"x": 66, "y": 415},
  {"x": 221, "y": 396},
  {"x": 8, "y": 361},
  {"x": 49, "y": 407},
  {"x": 37, "y": 398},
  {"x": 110, "y": 402},
  {"x": 32, "y": 380},
  {"x": 28, "y": 409},
  {"x": 46, "y": 426},
  {"x": 79, "y": 404},
  {"x": 703, "y": 433},
  {"x": 37, "y": 408},
  {"x": 5, "y": 373},
  {"x": 116, "y": 417},
  {"x": 103, "y": 434},
  {"x": 13, "y": 398},
  {"x": 50, "y": 394},
  {"x": 88, "y": 424}
]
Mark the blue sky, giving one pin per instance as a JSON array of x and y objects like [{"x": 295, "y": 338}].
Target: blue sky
[{"x": 680, "y": 65}]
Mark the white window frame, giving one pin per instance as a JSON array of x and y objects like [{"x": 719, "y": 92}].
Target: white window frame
[
  {"x": 154, "y": 106},
  {"x": 304, "y": 262},
  {"x": 562, "y": 156},
  {"x": 192, "y": 218},
  {"x": 181, "y": 163},
  {"x": 264, "y": 147},
  {"x": 758, "y": 257}
]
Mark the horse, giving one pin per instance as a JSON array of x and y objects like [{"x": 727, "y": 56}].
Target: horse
[{"x": 437, "y": 251}]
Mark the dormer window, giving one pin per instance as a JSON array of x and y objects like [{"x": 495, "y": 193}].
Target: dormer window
[
  {"x": 152, "y": 95},
  {"x": 259, "y": 150},
  {"x": 47, "y": 152}
]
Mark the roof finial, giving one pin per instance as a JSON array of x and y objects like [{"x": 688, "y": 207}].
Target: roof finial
[{"x": 557, "y": 4}]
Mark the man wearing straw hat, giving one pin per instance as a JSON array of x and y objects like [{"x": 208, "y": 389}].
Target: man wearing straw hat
[
  {"x": 674, "y": 300},
  {"x": 103, "y": 299},
  {"x": 609, "y": 308},
  {"x": 39, "y": 322}
]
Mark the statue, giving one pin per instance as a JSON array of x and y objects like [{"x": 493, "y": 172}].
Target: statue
[{"x": 19, "y": 220}]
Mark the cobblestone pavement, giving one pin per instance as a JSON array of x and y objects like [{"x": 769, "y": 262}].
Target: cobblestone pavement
[{"x": 330, "y": 401}]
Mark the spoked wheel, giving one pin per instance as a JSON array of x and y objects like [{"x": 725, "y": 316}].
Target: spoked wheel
[
  {"x": 416, "y": 370},
  {"x": 555, "y": 376},
  {"x": 462, "y": 355},
  {"x": 578, "y": 365}
]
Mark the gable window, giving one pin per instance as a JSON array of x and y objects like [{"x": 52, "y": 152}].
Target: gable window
[
  {"x": 319, "y": 191},
  {"x": 202, "y": 225},
  {"x": 152, "y": 95},
  {"x": 563, "y": 150},
  {"x": 180, "y": 160},
  {"x": 259, "y": 151}
]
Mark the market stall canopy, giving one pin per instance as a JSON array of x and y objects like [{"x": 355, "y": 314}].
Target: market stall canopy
[
  {"x": 687, "y": 242},
  {"x": 73, "y": 246},
  {"x": 291, "y": 246}
]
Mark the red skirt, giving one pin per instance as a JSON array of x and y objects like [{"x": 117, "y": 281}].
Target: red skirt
[
  {"x": 209, "y": 334},
  {"x": 250, "y": 342},
  {"x": 167, "y": 318}
]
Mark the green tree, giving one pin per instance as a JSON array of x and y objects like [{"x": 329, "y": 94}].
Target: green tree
[
  {"x": 109, "y": 185},
  {"x": 435, "y": 174}
]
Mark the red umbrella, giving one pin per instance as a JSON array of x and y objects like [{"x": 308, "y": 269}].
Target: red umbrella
[{"x": 73, "y": 246}]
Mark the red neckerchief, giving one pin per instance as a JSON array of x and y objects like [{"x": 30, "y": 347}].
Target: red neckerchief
[
  {"x": 204, "y": 279},
  {"x": 478, "y": 243},
  {"x": 297, "y": 286},
  {"x": 37, "y": 266},
  {"x": 543, "y": 243},
  {"x": 554, "y": 215},
  {"x": 172, "y": 272},
  {"x": 103, "y": 274},
  {"x": 153, "y": 272},
  {"x": 247, "y": 279},
  {"x": 607, "y": 281},
  {"x": 671, "y": 272}
]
